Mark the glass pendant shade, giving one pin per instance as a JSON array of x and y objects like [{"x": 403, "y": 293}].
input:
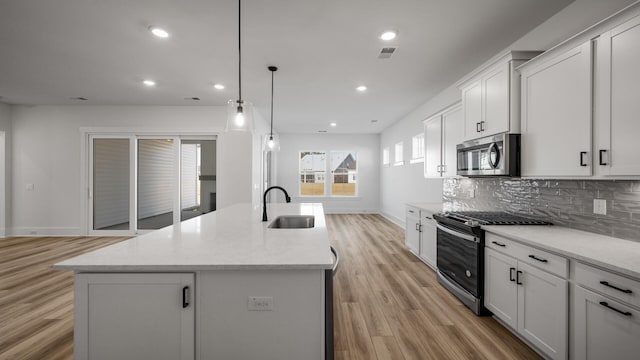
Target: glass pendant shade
[
  {"x": 239, "y": 116},
  {"x": 271, "y": 143}
]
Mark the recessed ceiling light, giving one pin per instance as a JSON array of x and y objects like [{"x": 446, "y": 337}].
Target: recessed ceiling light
[
  {"x": 149, "y": 83},
  {"x": 161, "y": 33},
  {"x": 333, "y": 124},
  {"x": 388, "y": 35},
  {"x": 361, "y": 88},
  {"x": 218, "y": 86}
]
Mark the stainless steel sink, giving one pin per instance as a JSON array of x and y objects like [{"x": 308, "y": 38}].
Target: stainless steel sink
[{"x": 293, "y": 222}]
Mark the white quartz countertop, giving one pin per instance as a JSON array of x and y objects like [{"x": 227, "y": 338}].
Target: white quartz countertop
[
  {"x": 230, "y": 238},
  {"x": 621, "y": 256},
  {"x": 433, "y": 208}
]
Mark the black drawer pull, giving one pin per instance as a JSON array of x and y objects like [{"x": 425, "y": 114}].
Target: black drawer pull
[
  {"x": 605, "y": 304},
  {"x": 539, "y": 259},
  {"x": 606, "y": 283},
  {"x": 478, "y": 127},
  {"x": 602, "y": 152},
  {"x": 511, "y": 270},
  {"x": 518, "y": 277},
  {"x": 582, "y": 154},
  {"x": 499, "y": 244},
  {"x": 185, "y": 297}
]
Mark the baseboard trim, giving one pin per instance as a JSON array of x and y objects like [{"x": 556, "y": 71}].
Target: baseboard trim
[
  {"x": 36, "y": 232},
  {"x": 393, "y": 219}
]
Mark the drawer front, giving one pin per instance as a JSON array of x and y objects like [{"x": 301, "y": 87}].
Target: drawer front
[
  {"x": 541, "y": 259},
  {"x": 504, "y": 245},
  {"x": 618, "y": 287},
  {"x": 412, "y": 212}
]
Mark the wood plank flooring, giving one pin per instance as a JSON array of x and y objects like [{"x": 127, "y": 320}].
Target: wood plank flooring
[{"x": 388, "y": 304}]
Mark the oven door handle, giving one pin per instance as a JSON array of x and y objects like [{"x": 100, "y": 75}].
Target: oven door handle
[{"x": 458, "y": 234}]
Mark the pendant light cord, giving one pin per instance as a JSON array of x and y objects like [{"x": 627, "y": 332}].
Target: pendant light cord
[
  {"x": 271, "y": 133},
  {"x": 239, "y": 56}
]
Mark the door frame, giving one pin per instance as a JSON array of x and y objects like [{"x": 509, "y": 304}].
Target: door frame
[{"x": 87, "y": 134}]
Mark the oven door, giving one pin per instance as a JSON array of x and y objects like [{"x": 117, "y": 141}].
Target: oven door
[{"x": 458, "y": 257}]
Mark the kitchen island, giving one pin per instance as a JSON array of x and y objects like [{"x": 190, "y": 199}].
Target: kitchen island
[{"x": 223, "y": 285}]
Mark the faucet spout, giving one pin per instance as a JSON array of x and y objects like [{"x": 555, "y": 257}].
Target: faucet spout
[{"x": 264, "y": 200}]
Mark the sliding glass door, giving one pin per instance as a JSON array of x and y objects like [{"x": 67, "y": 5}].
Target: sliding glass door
[{"x": 141, "y": 183}]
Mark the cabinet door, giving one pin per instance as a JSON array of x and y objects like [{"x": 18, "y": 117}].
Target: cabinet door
[
  {"x": 412, "y": 234},
  {"x": 556, "y": 115},
  {"x": 472, "y": 110},
  {"x": 495, "y": 101},
  {"x": 601, "y": 332},
  {"x": 452, "y": 135},
  {"x": 432, "y": 147},
  {"x": 542, "y": 310},
  {"x": 134, "y": 316},
  {"x": 500, "y": 289},
  {"x": 428, "y": 246},
  {"x": 618, "y": 125}
]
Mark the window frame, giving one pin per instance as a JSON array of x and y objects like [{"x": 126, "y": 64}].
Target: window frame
[
  {"x": 417, "y": 156},
  {"x": 398, "y": 160},
  {"x": 386, "y": 161}
]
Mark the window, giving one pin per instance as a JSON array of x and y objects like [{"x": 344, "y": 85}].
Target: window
[
  {"x": 343, "y": 173},
  {"x": 417, "y": 149},
  {"x": 385, "y": 156},
  {"x": 313, "y": 167},
  {"x": 398, "y": 156}
]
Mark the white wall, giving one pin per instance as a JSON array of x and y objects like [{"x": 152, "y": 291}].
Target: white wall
[
  {"x": 47, "y": 147},
  {"x": 5, "y": 165},
  {"x": 368, "y": 164},
  {"x": 399, "y": 185}
]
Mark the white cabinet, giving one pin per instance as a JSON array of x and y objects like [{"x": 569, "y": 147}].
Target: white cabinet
[
  {"x": 531, "y": 301},
  {"x": 556, "y": 115},
  {"x": 491, "y": 97},
  {"x": 604, "y": 328},
  {"x": 428, "y": 243},
  {"x": 412, "y": 231},
  {"x": 442, "y": 133},
  {"x": 606, "y": 315},
  {"x": 134, "y": 316},
  {"x": 617, "y": 120},
  {"x": 420, "y": 234}
]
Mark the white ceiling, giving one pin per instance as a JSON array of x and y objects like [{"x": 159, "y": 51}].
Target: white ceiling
[{"x": 52, "y": 50}]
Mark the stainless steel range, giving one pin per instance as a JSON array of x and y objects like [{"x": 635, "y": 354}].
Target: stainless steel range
[{"x": 460, "y": 252}]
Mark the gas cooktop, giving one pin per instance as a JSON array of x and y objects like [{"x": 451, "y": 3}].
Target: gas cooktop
[{"x": 493, "y": 218}]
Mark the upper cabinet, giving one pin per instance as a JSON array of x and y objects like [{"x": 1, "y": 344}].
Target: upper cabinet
[
  {"x": 491, "y": 97},
  {"x": 556, "y": 115},
  {"x": 442, "y": 132},
  {"x": 617, "y": 124}
]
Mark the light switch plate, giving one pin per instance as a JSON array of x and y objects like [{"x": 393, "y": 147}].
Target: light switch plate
[
  {"x": 260, "y": 303},
  {"x": 600, "y": 206}
]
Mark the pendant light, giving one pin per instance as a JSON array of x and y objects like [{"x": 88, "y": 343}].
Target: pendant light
[
  {"x": 239, "y": 111},
  {"x": 271, "y": 141}
]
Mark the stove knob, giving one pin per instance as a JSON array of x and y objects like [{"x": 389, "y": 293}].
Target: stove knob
[{"x": 468, "y": 273}]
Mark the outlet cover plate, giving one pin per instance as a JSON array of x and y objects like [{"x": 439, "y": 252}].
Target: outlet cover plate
[
  {"x": 600, "y": 206},
  {"x": 260, "y": 303}
]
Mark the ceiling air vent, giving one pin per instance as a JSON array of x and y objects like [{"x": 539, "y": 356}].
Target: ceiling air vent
[{"x": 386, "y": 52}]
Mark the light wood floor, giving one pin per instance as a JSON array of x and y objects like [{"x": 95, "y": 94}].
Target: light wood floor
[{"x": 388, "y": 304}]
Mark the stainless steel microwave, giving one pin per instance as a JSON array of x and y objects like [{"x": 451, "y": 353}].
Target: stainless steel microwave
[{"x": 497, "y": 155}]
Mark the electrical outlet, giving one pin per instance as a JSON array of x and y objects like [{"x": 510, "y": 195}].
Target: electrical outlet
[
  {"x": 260, "y": 303},
  {"x": 600, "y": 206},
  {"x": 30, "y": 187}
]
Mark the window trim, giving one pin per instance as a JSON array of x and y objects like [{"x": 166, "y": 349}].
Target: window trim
[
  {"x": 417, "y": 159},
  {"x": 398, "y": 162},
  {"x": 328, "y": 176},
  {"x": 386, "y": 162}
]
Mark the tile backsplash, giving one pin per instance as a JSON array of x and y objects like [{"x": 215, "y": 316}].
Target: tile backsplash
[{"x": 563, "y": 202}]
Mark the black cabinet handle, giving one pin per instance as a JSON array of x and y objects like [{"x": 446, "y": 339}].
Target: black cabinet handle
[
  {"x": 539, "y": 259},
  {"x": 605, "y": 304},
  {"x": 481, "y": 126},
  {"x": 606, "y": 283},
  {"x": 185, "y": 297},
  {"x": 582, "y": 154},
  {"x": 518, "y": 277},
  {"x": 477, "y": 127},
  {"x": 600, "y": 153},
  {"x": 411, "y": 211},
  {"x": 511, "y": 270},
  {"x": 499, "y": 244}
]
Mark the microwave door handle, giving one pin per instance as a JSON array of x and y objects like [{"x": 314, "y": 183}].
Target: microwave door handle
[
  {"x": 457, "y": 234},
  {"x": 493, "y": 148}
]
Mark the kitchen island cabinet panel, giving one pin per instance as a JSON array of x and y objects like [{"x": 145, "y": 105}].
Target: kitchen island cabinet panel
[{"x": 134, "y": 316}]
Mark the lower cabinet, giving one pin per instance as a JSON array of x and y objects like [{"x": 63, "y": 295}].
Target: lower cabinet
[
  {"x": 428, "y": 246},
  {"x": 604, "y": 328},
  {"x": 531, "y": 301},
  {"x": 412, "y": 231},
  {"x": 134, "y": 316}
]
